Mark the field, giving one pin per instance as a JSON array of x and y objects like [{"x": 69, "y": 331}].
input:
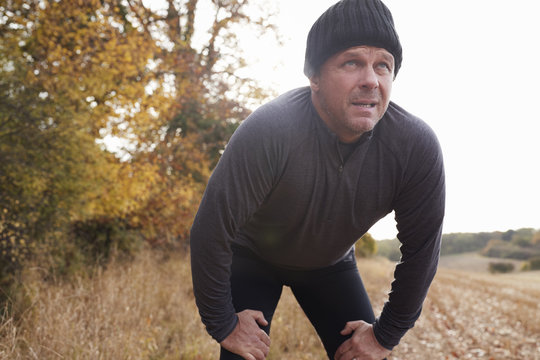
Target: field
[
  {"x": 474, "y": 262},
  {"x": 145, "y": 310}
]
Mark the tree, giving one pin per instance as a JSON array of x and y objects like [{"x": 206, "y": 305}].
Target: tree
[
  {"x": 209, "y": 96},
  {"x": 534, "y": 263},
  {"x": 536, "y": 238},
  {"x": 523, "y": 237},
  {"x": 507, "y": 236},
  {"x": 366, "y": 246},
  {"x": 65, "y": 82},
  {"x": 76, "y": 74},
  {"x": 207, "y": 101}
]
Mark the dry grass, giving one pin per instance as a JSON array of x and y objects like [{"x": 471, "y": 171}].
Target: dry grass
[
  {"x": 141, "y": 311},
  {"x": 145, "y": 310}
]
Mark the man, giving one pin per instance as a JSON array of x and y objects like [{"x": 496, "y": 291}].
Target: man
[{"x": 302, "y": 179}]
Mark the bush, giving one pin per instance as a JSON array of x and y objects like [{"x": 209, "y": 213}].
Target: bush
[
  {"x": 366, "y": 246},
  {"x": 534, "y": 263},
  {"x": 99, "y": 240},
  {"x": 500, "y": 267}
]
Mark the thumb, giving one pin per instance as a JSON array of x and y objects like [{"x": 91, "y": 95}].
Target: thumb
[{"x": 351, "y": 326}]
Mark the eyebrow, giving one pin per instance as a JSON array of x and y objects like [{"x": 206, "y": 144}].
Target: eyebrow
[
  {"x": 348, "y": 54},
  {"x": 388, "y": 57}
]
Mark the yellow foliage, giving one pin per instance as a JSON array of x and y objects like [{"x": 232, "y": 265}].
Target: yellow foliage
[
  {"x": 73, "y": 73},
  {"x": 366, "y": 246}
]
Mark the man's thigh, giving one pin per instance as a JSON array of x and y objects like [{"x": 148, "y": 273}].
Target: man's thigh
[
  {"x": 331, "y": 299},
  {"x": 254, "y": 286}
]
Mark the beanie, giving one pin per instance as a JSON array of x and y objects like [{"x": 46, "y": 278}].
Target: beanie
[{"x": 350, "y": 23}]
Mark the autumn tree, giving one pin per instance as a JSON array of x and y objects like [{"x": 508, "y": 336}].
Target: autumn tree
[
  {"x": 523, "y": 237},
  {"x": 536, "y": 238},
  {"x": 208, "y": 100},
  {"x": 209, "y": 97},
  {"x": 71, "y": 74},
  {"x": 77, "y": 78},
  {"x": 366, "y": 246}
]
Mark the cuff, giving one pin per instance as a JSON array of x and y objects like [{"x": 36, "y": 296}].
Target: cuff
[
  {"x": 222, "y": 334},
  {"x": 381, "y": 337}
]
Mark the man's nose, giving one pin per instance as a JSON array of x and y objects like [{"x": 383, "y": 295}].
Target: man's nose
[{"x": 368, "y": 79}]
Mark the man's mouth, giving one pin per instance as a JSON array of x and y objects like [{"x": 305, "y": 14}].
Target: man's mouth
[{"x": 364, "y": 105}]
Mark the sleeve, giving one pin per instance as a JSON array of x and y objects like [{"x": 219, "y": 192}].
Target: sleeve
[
  {"x": 419, "y": 212},
  {"x": 237, "y": 187}
]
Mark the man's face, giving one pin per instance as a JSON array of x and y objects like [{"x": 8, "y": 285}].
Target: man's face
[{"x": 351, "y": 91}]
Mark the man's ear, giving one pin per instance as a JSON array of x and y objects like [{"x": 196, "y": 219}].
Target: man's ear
[{"x": 314, "y": 83}]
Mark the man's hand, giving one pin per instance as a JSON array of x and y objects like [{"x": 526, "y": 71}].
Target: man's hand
[
  {"x": 362, "y": 345},
  {"x": 247, "y": 339}
]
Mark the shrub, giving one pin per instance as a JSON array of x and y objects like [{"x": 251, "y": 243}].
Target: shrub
[
  {"x": 534, "y": 263},
  {"x": 500, "y": 267},
  {"x": 366, "y": 246}
]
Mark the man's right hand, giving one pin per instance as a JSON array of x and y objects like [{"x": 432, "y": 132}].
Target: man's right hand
[{"x": 247, "y": 339}]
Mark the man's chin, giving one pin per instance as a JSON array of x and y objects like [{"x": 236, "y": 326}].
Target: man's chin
[{"x": 363, "y": 125}]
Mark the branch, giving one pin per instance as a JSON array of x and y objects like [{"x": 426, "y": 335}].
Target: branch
[
  {"x": 190, "y": 27},
  {"x": 173, "y": 23},
  {"x": 235, "y": 16},
  {"x": 142, "y": 14}
]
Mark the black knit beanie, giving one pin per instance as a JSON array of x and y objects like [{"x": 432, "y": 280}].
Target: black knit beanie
[{"x": 350, "y": 23}]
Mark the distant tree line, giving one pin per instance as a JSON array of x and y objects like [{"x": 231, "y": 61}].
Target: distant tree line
[{"x": 522, "y": 244}]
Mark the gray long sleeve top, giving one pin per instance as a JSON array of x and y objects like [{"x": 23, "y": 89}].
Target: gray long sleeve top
[{"x": 283, "y": 190}]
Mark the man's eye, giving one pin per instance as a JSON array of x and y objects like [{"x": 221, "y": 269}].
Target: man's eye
[
  {"x": 384, "y": 65},
  {"x": 350, "y": 63}
]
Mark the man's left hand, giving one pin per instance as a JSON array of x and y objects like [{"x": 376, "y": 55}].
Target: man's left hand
[{"x": 362, "y": 345}]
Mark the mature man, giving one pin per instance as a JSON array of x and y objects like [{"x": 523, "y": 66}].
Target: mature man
[{"x": 302, "y": 179}]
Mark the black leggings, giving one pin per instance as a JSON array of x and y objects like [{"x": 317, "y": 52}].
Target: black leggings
[{"x": 330, "y": 297}]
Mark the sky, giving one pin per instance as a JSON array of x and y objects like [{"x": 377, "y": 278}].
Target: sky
[{"x": 470, "y": 70}]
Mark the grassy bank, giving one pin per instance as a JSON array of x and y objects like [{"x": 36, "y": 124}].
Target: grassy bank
[{"x": 145, "y": 310}]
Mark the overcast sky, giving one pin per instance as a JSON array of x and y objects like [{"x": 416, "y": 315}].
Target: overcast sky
[{"x": 471, "y": 71}]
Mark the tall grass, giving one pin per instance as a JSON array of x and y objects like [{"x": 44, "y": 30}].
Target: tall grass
[
  {"x": 145, "y": 309},
  {"x": 141, "y": 310}
]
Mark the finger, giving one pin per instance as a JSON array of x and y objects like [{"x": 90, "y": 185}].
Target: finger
[
  {"x": 266, "y": 350},
  {"x": 352, "y": 326},
  {"x": 259, "y": 317},
  {"x": 263, "y": 343},
  {"x": 265, "y": 338},
  {"x": 348, "y": 329},
  {"x": 256, "y": 352},
  {"x": 342, "y": 349},
  {"x": 339, "y": 356},
  {"x": 259, "y": 354}
]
